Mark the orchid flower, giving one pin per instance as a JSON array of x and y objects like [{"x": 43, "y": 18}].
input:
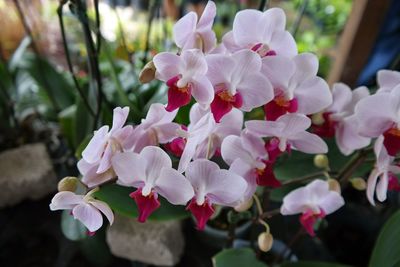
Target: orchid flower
[
  {"x": 237, "y": 82},
  {"x": 262, "y": 32},
  {"x": 90, "y": 177},
  {"x": 339, "y": 119},
  {"x": 199, "y": 130},
  {"x": 185, "y": 76},
  {"x": 231, "y": 124},
  {"x": 380, "y": 114},
  {"x": 314, "y": 201},
  {"x": 86, "y": 209},
  {"x": 104, "y": 144},
  {"x": 297, "y": 88},
  {"x": 189, "y": 32},
  {"x": 388, "y": 80},
  {"x": 246, "y": 155},
  {"x": 212, "y": 186},
  {"x": 384, "y": 170},
  {"x": 289, "y": 132},
  {"x": 156, "y": 129},
  {"x": 152, "y": 174}
]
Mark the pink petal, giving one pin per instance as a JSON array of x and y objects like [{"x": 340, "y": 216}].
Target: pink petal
[
  {"x": 184, "y": 28},
  {"x": 347, "y": 137},
  {"x": 174, "y": 187},
  {"x": 373, "y": 122},
  {"x": 178, "y": 97},
  {"x": 119, "y": 118},
  {"x": 156, "y": 159},
  {"x": 256, "y": 91},
  {"x": 387, "y": 80},
  {"x": 167, "y": 65},
  {"x": 278, "y": 70},
  {"x": 104, "y": 208},
  {"x": 65, "y": 200},
  {"x": 294, "y": 202},
  {"x": 331, "y": 202},
  {"x": 220, "y": 68},
  {"x": 371, "y": 185},
  {"x": 207, "y": 18},
  {"x": 202, "y": 90},
  {"x": 95, "y": 148},
  {"x": 222, "y": 187},
  {"x": 157, "y": 114},
  {"x": 342, "y": 96},
  {"x": 92, "y": 179},
  {"x": 283, "y": 43},
  {"x": 130, "y": 168},
  {"x": 308, "y": 143},
  {"x": 306, "y": 67},
  {"x": 146, "y": 204},
  {"x": 202, "y": 213},
  {"x": 246, "y": 27},
  {"x": 382, "y": 187},
  {"x": 89, "y": 216},
  {"x": 247, "y": 63},
  {"x": 188, "y": 153},
  {"x": 167, "y": 132},
  {"x": 246, "y": 171},
  {"x": 232, "y": 149},
  {"x": 194, "y": 63},
  {"x": 313, "y": 95},
  {"x": 105, "y": 162}
]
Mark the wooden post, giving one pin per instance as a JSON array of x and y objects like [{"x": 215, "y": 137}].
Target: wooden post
[{"x": 358, "y": 40}]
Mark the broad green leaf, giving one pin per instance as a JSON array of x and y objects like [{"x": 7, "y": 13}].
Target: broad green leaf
[
  {"x": 237, "y": 258},
  {"x": 386, "y": 252},
  {"x": 313, "y": 264},
  {"x": 72, "y": 229},
  {"x": 118, "y": 198}
]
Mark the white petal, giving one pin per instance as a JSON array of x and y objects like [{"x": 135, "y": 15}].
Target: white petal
[
  {"x": 156, "y": 159},
  {"x": 232, "y": 149},
  {"x": 95, "y": 148},
  {"x": 184, "y": 28},
  {"x": 255, "y": 90},
  {"x": 371, "y": 185},
  {"x": 342, "y": 96},
  {"x": 246, "y": 27},
  {"x": 119, "y": 118},
  {"x": 65, "y": 200},
  {"x": 130, "y": 168},
  {"x": 104, "y": 208},
  {"x": 174, "y": 187},
  {"x": 167, "y": 65},
  {"x": 313, "y": 95},
  {"x": 382, "y": 187},
  {"x": 89, "y": 216},
  {"x": 308, "y": 143}
]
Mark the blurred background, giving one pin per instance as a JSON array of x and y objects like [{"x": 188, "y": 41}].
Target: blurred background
[{"x": 64, "y": 66}]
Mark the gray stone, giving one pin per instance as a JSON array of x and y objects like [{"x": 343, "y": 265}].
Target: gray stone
[
  {"x": 157, "y": 243},
  {"x": 25, "y": 173}
]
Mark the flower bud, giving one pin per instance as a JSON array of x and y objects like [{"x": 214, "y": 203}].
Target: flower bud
[
  {"x": 244, "y": 205},
  {"x": 318, "y": 118},
  {"x": 358, "y": 183},
  {"x": 334, "y": 185},
  {"x": 147, "y": 74},
  {"x": 68, "y": 183},
  {"x": 265, "y": 241},
  {"x": 321, "y": 161}
]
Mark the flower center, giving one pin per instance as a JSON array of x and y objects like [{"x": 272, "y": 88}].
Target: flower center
[
  {"x": 263, "y": 50},
  {"x": 146, "y": 204},
  {"x": 392, "y": 141}
]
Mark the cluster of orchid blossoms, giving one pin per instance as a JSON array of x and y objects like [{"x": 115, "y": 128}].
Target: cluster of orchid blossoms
[{"x": 256, "y": 66}]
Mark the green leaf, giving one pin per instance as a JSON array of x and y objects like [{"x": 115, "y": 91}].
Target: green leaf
[
  {"x": 118, "y": 198},
  {"x": 237, "y": 258},
  {"x": 67, "y": 123},
  {"x": 312, "y": 264},
  {"x": 50, "y": 80},
  {"x": 72, "y": 229},
  {"x": 386, "y": 252}
]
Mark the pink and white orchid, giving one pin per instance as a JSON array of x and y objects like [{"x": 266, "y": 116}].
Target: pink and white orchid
[
  {"x": 247, "y": 156},
  {"x": 339, "y": 119},
  {"x": 383, "y": 118},
  {"x": 297, "y": 88},
  {"x": 384, "y": 170},
  {"x": 185, "y": 76},
  {"x": 262, "y": 32},
  {"x": 86, "y": 209},
  {"x": 314, "y": 201},
  {"x": 212, "y": 185},
  {"x": 237, "y": 82},
  {"x": 157, "y": 128},
  {"x": 388, "y": 80},
  {"x": 104, "y": 144},
  {"x": 152, "y": 174},
  {"x": 190, "y": 32},
  {"x": 289, "y": 131}
]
